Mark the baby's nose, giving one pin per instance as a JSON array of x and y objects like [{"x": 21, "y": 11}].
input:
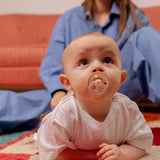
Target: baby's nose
[{"x": 96, "y": 69}]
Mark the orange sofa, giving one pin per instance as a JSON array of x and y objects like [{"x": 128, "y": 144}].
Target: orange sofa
[{"x": 23, "y": 43}]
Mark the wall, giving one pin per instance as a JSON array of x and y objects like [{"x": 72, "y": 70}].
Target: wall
[
  {"x": 37, "y": 6},
  {"x": 146, "y": 3},
  {"x": 51, "y": 6}
]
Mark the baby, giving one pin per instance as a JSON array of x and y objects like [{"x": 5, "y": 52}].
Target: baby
[{"x": 94, "y": 115}]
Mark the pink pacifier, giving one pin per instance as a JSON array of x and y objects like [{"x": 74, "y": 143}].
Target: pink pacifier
[{"x": 97, "y": 84}]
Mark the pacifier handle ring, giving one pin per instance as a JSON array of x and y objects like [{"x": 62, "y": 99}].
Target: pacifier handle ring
[{"x": 97, "y": 84}]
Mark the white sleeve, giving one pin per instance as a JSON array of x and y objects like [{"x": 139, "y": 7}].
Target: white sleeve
[
  {"x": 53, "y": 138},
  {"x": 139, "y": 134}
]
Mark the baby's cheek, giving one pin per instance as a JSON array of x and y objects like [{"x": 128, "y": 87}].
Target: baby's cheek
[
  {"x": 115, "y": 84},
  {"x": 81, "y": 89}
]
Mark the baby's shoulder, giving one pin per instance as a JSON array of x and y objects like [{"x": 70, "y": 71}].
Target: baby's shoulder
[
  {"x": 124, "y": 102},
  {"x": 67, "y": 106}
]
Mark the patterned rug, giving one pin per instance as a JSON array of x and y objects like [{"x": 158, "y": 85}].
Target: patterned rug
[{"x": 23, "y": 148}]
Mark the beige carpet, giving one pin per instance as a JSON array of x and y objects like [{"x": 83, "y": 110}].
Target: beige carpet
[{"x": 153, "y": 154}]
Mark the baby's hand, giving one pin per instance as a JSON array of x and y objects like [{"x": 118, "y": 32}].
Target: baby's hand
[{"x": 109, "y": 152}]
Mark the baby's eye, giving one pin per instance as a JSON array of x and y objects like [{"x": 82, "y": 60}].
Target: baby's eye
[
  {"x": 84, "y": 62},
  {"x": 107, "y": 60}
]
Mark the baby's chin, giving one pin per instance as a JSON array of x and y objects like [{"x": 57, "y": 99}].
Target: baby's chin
[{"x": 89, "y": 97}]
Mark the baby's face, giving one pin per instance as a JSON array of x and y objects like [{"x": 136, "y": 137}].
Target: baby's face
[{"x": 91, "y": 54}]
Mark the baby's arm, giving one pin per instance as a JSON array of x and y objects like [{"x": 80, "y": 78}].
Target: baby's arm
[{"x": 123, "y": 152}]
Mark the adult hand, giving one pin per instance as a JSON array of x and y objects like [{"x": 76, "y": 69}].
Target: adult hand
[{"x": 56, "y": 98}]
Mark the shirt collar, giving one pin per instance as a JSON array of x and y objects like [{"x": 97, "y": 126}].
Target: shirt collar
[
  {"x": 114, "y": 10},
  {"x": 86, "y": 14}
]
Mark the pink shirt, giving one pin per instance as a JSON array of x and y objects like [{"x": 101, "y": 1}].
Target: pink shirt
[{"x": 69, "y": 126}]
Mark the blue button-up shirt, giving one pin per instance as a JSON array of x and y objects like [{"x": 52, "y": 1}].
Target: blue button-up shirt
[{"x": 139, "y": 51}]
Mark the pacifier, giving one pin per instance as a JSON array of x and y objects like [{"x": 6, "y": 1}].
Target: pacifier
[{"x": 97, "y": 84}]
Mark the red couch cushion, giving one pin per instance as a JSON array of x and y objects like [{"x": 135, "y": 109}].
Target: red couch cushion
[
  {"x": 153, "y": 14},
  {"x": 23, "y": 43},
  {"x": 26, "y": 28},
  {"x": 19, "y": 66}
]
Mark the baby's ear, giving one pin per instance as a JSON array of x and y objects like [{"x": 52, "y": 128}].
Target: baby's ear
[
  {"x": 123, "y": 76},
  {"x": 65, "y": 81}
]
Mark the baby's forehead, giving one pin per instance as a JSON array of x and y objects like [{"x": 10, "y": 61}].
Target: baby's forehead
[{"x": 91, "y": 42}]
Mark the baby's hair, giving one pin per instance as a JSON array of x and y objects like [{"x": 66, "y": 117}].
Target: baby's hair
[{"x": 92, "y": 34}]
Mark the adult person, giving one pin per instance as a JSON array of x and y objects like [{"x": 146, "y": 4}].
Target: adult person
[
  {"x": 121, "y": 20},
  {"x": 128, "y": 26}
]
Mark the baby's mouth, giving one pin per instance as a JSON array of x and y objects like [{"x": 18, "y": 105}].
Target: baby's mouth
[{"x": 98, "y": 84}]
